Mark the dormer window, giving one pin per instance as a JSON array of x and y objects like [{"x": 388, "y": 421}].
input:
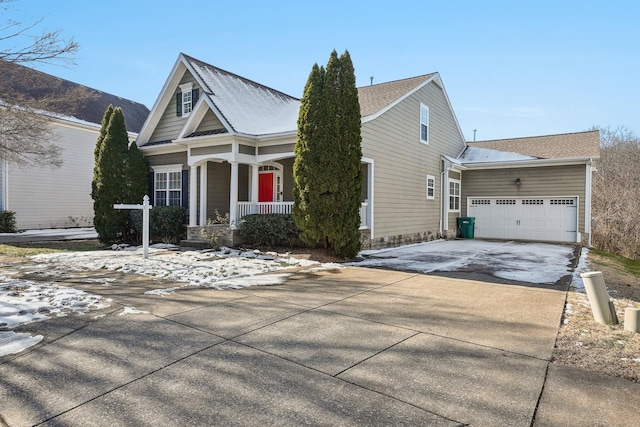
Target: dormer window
[{"x": 186, "y": 99}]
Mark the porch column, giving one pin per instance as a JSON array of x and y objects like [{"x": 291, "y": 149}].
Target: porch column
[
  {"x": 203, "y": 194},
  {"x": 254, "y": 188},
  {"x": 233, "y": 196},
  {"x": 193, "y": 197}
]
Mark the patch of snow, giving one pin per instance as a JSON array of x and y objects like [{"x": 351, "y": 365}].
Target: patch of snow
[
  {"x": 247, "y": 106},
  {"x": 576, "y": 280},
  {"x": 243, "y": 282},
  {"x": 23, "y": 301},
  {"x": 12, "y": 342},
  {"x": 132, "y": 310},
  {"x": 526, "y": 262},
  {"x": 324, "y": 267},
  {"x": 193, "y": 267},
  {"x": 163, "y": 292},
  {"x": 58, "y": 233},
  {"x": 484, "y": 155}
]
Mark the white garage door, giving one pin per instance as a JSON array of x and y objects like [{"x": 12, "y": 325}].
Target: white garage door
[{"x": 537, "y": 218}]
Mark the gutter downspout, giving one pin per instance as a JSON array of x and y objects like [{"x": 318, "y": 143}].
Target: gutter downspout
[
  {"x": 442, "y": 199},
  {"x": 587, "y": 202}
]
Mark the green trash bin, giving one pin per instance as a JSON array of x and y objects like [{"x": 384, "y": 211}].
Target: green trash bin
[{"x": 466, "y": 225}]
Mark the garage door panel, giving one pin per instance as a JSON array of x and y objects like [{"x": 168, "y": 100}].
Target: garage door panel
[{"x": 538, "y": 218}]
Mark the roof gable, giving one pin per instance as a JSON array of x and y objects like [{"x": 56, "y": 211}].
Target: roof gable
[
  {"x": 568, "y": 145},
  {"x": 248, "y": 107},
  {"x": 34, "y": 85},
  {"x": 376, "y": 97}
]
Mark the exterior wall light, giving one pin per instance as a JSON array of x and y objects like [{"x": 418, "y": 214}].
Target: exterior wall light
[{"x": 517, "y": 182}]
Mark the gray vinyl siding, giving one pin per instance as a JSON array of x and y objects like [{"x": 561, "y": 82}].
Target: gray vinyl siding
[
  {"x": 168, "y": 159},
  {"x": 209, "y": 121},
  {"x": 287, "y": 179},
  {"x": 276, "y": 149},
  {"x": 247, "y": 149},
  {"x": 541, "y": 181},
  {"x": 218, "y": 185},
  {"x": 170, "y": 124},
  {"x": 402, "y": 162},
  {"x": 212, "y": 149}
]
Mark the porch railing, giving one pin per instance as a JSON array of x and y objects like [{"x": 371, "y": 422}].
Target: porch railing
[{"x": 247, "y": 208}]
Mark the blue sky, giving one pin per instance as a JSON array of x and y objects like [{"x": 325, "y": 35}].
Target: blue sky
[{"x": 510, "y": 68}]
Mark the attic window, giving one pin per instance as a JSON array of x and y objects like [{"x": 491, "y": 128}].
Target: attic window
[
  {"x": 186, "y": 99},
  {"x": 424, "y": 123}
]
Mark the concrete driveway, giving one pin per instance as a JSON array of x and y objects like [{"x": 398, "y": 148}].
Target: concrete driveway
[
  {"x": 354, "y": 346},
  {"x": 520, "y": 262}
]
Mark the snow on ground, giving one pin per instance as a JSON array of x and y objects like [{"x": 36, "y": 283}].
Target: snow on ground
[
  {"x": 23, "y": 301},
  {"x": 201, "y": 268},
  {"x": 538, "y": 263}
]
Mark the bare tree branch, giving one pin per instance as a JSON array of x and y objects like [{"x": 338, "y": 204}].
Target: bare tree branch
[{"x": 26, "y": 107}]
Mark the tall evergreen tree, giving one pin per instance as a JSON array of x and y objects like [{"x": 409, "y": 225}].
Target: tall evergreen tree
[
  {"x": 349, "y": 157},
  {"x": 110, "y": 179},
  {"x": 96, "y": 151},
  {"x": 327, "y": 169},
  {"x": 137, "y": 174},
  {"x": 307, "y": 164}
]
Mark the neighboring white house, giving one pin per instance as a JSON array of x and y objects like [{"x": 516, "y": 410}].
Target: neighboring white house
[{"x": 49, "y": 197}]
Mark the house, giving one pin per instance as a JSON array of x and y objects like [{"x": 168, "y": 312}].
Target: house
[
  {"x": 57, "y": 197},
  {"x": 216, "y": 141}
]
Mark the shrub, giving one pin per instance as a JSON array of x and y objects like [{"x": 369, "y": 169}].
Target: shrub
[
  {"x": 7, "y": 222},
  {"x": 215, "y": 230},
  {"x": 166, "y": 223},
  {"x": 269, "y": 229}
]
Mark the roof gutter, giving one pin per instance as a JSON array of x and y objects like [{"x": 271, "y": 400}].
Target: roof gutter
[{"x": 530, "y": 163}]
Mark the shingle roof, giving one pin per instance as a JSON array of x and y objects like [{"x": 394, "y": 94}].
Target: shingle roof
[
  {"x": 36, "y": 85},
  {"x": 247, "y": 106},
  {"x": 578, "y": 144},
  {"x": 375, "y": 97}
]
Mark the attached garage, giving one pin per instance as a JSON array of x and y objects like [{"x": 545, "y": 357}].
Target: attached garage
[{"x": 553, "y": 219}]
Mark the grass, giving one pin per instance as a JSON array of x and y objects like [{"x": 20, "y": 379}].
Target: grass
[
  {"x": 629, "y": 265},
  {"x": 34, "y": 248}
]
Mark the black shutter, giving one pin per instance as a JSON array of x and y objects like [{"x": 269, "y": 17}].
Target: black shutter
[
  {"x": 179, "y": 104},
  {"x": 194, "y": 97},
  {"x": 152, "y": 191},
  {"x": 185, "y": 189}
]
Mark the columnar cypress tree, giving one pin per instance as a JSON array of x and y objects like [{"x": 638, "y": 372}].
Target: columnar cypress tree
[
  {"x": 110, "y": 183},
  {"x": 348, "y": 122},
  {"x": 137, "y": 178},
  {"x": 307, "y": 164},
  {"x": 327, "y": 169},
  {"x": 96, "y": 151}
]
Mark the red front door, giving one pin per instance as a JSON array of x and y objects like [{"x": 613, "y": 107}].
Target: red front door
[{"x": 265, "y": 187}]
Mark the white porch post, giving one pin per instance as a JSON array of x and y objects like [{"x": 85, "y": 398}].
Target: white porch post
[
  {"x": 254, "y": 188},
  {"x": 203, "y": 194},
  {"x": 193, "y": 197},
  {"x": 233, "y": 195}
]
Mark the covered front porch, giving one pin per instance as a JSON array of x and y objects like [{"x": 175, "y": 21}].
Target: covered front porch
[{"x": 232, "y": 190}]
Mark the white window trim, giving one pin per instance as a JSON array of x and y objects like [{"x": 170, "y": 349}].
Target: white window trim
[
  {"x": 432, "y": 187},
  {"x": 166, "y": 169},
  {"x": 422, "y": 106},
  {"x": 458, "y": 196},
  {"x": 186, "y": 88}
]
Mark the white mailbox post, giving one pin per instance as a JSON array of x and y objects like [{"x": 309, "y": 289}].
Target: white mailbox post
[{"x": 145, "y": 206}]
